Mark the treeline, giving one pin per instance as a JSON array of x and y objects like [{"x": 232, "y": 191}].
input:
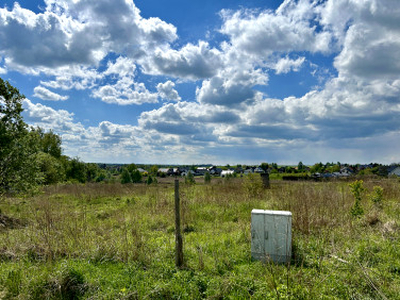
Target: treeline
[{"x": 30, "y": 157}]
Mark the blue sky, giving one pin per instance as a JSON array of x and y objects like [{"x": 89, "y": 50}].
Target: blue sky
[{"x": 187, "y": 82}]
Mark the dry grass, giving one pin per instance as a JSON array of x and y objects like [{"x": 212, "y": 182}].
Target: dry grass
[{"x": 134, "y": 224}]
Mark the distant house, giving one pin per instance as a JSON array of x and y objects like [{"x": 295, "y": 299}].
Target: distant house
[
  {"x": 176, "y": 171},
  {"x": 165, "y": 171},
  {"x": 258, "y": 170},
  {"x": 340, "y": 174},
  {"x": 395, "y": 172},
  {"x": 282, "y": 170},
  {"x": 248, "y": 171},
  {"x": 214, "y": 170},
  {"x": 239, "y": 170},
  {"x": 201, "y": 170},
  {"x": 186, "y": 172},
  {"x": 225, "y": 173},
  {"x": 346, "y": 170}
]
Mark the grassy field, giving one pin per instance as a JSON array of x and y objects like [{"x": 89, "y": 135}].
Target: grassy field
[{"x": 112, "y": 241}]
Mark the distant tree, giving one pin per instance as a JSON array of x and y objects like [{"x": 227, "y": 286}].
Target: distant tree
[
  {"x": 125, "y": 176},
  {"x": 290, "y": 170},
  {"x": 92, "y": 171},
  {"x": 136, "y": 176},
  {"x": 264, "y": 166},
  {"x": 151, "y": 180},
  {"x": 334, "y": 168},
  {"x": 18, "y": 168},
  {"x": 317, "y": 168},
  {"x": 51, "y": 169},
  {"x": 101, "y": 175},
  {"x": 131, "y": 168},
  {"x": 300, "y": 167},
  {"x": 76, "y": 170},
  {"x": 153, "y": 170},
  {"x": 49, "y": 143}
]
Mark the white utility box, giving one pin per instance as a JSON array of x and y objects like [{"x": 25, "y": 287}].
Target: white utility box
[{"x": 271, "y": 235}]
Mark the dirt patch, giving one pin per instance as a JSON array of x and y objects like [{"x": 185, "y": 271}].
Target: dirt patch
[{"x": 10, "y": 223}]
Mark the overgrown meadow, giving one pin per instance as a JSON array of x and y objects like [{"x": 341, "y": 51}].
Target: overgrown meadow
[{"x": 113, "y": 241}]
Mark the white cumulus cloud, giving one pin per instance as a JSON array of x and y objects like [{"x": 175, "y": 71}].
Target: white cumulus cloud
[
  {"x": 46, "y": 94},
  {"x": 167, "y": 91}
]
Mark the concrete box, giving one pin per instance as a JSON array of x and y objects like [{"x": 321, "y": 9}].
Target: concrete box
[{"x": 271, "y": 235}]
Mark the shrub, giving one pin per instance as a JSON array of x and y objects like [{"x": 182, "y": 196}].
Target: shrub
[
  {"x": 125, "y": 176},
  {"x": 136, "y": 176},
  {"x": 253, "y": 185},
  {"x": 207, "y": 177},
  {"x": 151, "y": 180},
  {"x": 189, "y": 179},
  {"x": 357, "y": 189},
  {"x": 377, "y": 195}
]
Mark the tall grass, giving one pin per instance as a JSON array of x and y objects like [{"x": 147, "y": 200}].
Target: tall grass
[{"x": 117, "y": 241}]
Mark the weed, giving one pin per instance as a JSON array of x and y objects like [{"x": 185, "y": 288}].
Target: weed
[
  {"x": 377, "y": 196},
  {"x": 13, "y": 283},
  {"x": 253, "y": 185},
  {"x": 357, "y": 189}
]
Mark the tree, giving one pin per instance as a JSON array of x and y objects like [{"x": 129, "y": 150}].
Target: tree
[
  {"x": 300, "y": 167},
  {"x": 149, "y": 180},
  {"x": 136, "y": 176},
  {"x": 317, "y": 168},
  {"x": 101, "y": 175},
  {"x": 51, "y": 169},
  {"x": 131, "y": 168},
  {"x": 18, "y": 168},
  {"x": 154, "y": 170},
  {"x": 264, "y": 166},
  {"x": 76, "y": 170},
  {"x": 92, "y": 172},
  {"x": 125, "y": 176},
  {"x": 49, "y": 142}
]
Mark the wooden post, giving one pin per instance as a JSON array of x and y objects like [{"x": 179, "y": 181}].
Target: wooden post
[
  {"x": 265, "y": 180},
  {"x": 178, "y": 235}
]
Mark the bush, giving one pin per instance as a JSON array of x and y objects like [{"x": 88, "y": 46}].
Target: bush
[
  {"x": 207, "y": 177},
  {"x": 151, "y": 180},
  {"x": 189, "y": 179},
  {"x": 136, "y": 176},
  {"x": 357, "y": 189},
  {"x": 377, "y": 195},
  {"x": 51, "y": 169},
  {"x": 253, "y": 185},
  {"x": 125, "y": 176}
]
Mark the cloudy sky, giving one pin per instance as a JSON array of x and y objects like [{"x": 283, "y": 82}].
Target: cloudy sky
[{"x": 207, "y": 81}]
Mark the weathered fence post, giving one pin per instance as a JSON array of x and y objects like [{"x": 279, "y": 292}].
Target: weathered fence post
[
  {"x": 265, "y": 180},
  {"x": 178, "y": 235}
]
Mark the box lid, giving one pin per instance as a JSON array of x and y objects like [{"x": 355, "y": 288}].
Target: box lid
[{"x": 271, "y": 212}]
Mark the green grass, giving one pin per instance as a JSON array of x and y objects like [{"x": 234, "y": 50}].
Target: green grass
[{"x": 112, "y": 241}]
